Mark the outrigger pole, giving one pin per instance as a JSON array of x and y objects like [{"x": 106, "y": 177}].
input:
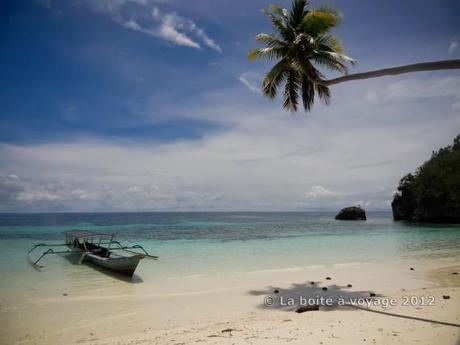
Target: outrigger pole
[
  {"x": 49, "y": 251},
  {"x": 136, "y": 246}
]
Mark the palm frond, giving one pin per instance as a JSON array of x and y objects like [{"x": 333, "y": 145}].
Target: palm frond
[
  {"x": 329, "y": 43},
  {"x": 297, "y": 12},
  {"x": 276, "y": 10},
  {"x": 324, "y": 93},
  {"x": 330, "y": 62},
  {"x": 304, "y": 67},
  {"x": 291, "y": 91},
  {"x": 341, "y": 57},
  {"x": 280, "y": 25},
  {"x": 317, "y": 22},
  {"x": 308, "y": 93},
  {"x": 329, "y": 9},
  {"x": 266, "y": 53},
  {"x": 270, "y": 41},
  {"x": 274, "y": 78}
]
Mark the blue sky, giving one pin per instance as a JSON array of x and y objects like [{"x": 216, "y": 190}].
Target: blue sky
[{"x": 152, "y": 105}]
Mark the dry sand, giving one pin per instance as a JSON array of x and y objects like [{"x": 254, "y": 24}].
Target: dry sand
[{"x": 228, "y": 309}]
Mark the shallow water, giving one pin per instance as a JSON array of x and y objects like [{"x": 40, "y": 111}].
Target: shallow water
[{"x": 201, "y": 244}]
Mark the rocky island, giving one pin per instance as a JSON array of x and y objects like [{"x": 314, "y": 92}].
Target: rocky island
[
  {"x": 351, "y": 213},
  {"x": 432, "y": 193}
]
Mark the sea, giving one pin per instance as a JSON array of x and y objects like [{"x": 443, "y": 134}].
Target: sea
[{"x": 202, "y": 244}]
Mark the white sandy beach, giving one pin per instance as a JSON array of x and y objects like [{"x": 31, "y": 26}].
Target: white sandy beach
[{"x": 228, "y": 309}]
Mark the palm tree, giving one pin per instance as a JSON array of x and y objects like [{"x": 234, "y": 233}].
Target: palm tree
[{"x": 302, "y": 44}]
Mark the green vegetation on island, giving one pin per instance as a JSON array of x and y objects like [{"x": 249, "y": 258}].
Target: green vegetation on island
[{"x": 432, "y": 193}]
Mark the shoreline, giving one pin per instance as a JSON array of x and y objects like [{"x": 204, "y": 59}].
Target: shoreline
[{"x": 196, "y": 309}]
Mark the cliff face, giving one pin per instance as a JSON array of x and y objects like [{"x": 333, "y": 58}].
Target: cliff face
[{"x": 432, "y": 194}]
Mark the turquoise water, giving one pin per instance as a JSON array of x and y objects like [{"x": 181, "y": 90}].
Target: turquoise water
[{"x": 217, "y": 243}]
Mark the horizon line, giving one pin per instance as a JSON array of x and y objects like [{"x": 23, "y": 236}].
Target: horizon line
[{"x": 190, "y": 211}]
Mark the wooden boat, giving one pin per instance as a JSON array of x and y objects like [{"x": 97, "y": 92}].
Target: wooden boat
[{"x": 98, "y": 248}]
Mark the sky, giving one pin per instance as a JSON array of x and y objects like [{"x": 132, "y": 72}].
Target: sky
[{"x": 152, "y": 105}]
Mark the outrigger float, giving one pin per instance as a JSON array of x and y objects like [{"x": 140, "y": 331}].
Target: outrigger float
[{"x": 98, "y": 248}]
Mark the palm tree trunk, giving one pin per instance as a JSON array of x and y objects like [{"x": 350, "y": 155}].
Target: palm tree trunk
[{"x": 418, "y": 67}]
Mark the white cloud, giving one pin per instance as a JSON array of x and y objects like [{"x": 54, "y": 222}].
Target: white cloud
[
  {"x": 37, "y": 194},
  {"x": 167, "y": 31},
  {"x": 79, "y": 193},
  {"x": 134, "y": 189},
  {"x": 171, "y": 23},
  {"x": 262, "y": 164},
  {"x": 353, "y": 150},
  {"x": 206, "y": 39},
  {"x": 318, "y": 192},
  {"x": 145, "y": 16},
  {"x": 417, "y": 88},
  {"x": 169, "y": 26},
  {"x": 251, "y": 81},
  {"x": 453, "y": 46}
]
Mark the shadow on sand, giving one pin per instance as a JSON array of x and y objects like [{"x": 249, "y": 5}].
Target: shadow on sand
[
  {"x": 311, "y": 293},
  {"x": 335, "y": 297}
]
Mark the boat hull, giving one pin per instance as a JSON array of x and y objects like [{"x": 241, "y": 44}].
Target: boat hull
[{"x": 122, "y": 265}]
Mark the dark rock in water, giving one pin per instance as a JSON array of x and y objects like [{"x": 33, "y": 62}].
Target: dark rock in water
[
  {"x": 432, "y": 194},
  {"x": 307, "y": 308},
  {"x": 276, "y": 291},
  {"x": 64, "y": 294},
  {"x": 445, "y": 297},
  {"x": 454, "y": 273},
  {"x": 312, "y": 283},
  {"x": 328, "y": 278},
  {"x": 372, "y": 294},
  {"x": 324, "y": 288},
  {"x": 349, "y": 285},
  {"x": 351, "y": 213},
  {"x": 412, "y": 269}
]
